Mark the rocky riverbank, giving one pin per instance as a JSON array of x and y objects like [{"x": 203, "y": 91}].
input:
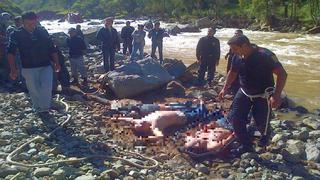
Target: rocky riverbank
[{"x": 293, "y": 154}]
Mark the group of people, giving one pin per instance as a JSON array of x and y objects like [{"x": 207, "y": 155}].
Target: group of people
[
  {"x": 133, "y": 41},
  {"x": 250, "y": 67}
]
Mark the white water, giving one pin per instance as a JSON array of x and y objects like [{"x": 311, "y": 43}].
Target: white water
[{"x": 298, "y": 53}]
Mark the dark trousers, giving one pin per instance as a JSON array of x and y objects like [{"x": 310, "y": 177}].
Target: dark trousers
[
  {"x": 153, "y": 50},
  {"x": 62, "y": 76},
  {"x": 108, "y": 59},
  {"x": 238, "y": 116},
  {"x": 206, "y": 65},
  {"x": 127, "y": 44}
]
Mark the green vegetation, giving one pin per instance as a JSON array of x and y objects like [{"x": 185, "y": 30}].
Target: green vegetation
[
  {"x": 9, "y": 6},
  {"x": 294, "y": 10}
]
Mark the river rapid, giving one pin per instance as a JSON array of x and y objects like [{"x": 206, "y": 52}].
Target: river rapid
[{"x": 298, "y": 53}]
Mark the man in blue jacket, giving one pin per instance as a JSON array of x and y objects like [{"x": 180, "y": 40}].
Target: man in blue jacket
[{"x": 110, "y": 43}]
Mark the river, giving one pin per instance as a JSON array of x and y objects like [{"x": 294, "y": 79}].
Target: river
[{"x": 299, "y": 54}]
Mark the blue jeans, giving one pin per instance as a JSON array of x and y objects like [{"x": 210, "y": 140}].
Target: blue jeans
[
  {"x": 39, "y": 84},
  {"x": 136, "y": 47},
  {"x": 108, "y": 59}
]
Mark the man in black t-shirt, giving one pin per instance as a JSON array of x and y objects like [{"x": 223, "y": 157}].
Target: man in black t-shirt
[{"x": 255, "y": 67}]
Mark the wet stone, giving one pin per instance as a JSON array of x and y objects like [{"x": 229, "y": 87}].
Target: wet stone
[{"x": 40, "y": 172}]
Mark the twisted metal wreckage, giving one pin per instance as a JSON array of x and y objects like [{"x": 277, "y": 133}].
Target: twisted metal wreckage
[{"x": 211, "y": 138}]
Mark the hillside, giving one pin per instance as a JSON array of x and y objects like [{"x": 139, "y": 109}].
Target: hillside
[{"x": 9, "y": 6}]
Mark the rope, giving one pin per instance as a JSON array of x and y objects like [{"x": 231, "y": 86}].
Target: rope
[
  {"x": 40, "y": 139},
  {"x": 266, "y": 95}
]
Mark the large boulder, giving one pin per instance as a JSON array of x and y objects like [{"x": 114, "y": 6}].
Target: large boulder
[
  {"x": 189, "y": 28},
  {"x": 59, "y": 39},
  {"x": 90, "y": 36},
  {"x": 135, "y": 78},
  {"x": 74, "y": 18},
  {"x": 204, "y": 23},
  {"x": 174, "y": 30},
  {"x": 175, "y": 68}
]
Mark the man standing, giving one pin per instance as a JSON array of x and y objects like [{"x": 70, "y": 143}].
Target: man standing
[
  {"x": 36, "y": 50},
  {"x": 229, "y": 57},
  {"x": 208, "y": 54},
  {"x": 110, "y": 43},
  {"x": 257, "y": 93},
  {"x": 157, "y": 34},
  {"x": 77, "y": 47},
  {"x": 79, "y": 31},
  {"x": 138, "y": 42},
  {"x": 126, "y": 35}
]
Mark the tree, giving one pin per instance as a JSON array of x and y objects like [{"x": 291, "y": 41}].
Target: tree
[{"x": 314, "y": 6}]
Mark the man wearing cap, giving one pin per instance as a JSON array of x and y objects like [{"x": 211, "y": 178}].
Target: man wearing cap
[
  {"x": 208, "y": 54},
  {"x": 157, "y": 34},
  {"x": 36, "y": 51},
  {"x": 110, "y": 43},
  {"x": 138, "y": 42},
  {"x": 77, "y": 47},
  {"x": 257, "y": 92},
  {"x": 126, "y": 35}
]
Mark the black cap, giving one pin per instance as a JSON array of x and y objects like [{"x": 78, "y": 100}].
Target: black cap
[
  {"x": 29, "y": 15},
  {"x": 239, "y": 40}
]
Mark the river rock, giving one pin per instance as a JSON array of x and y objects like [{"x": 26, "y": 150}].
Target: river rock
[
  {"x": 312, "y": 152},
  {"x": 110, "y": 173},
  {"x": 90, "y": 36},
  {"x": 85, "y": 177},
  {"x": 175, "y": 68},
  {"x": 278, "y": 137},
  {"x": 44, "y": 171},
  {"x": 295, "y": 147},
  {"x": 204, "y": 23},
  {"x": 59, "y": 174},
  {"x": 136, "y": 78},
  {"x": 74, "y": 18},
  {"x": 175, "y": 89},
  {"x": 312, "y": 123},
  {"x": 189, "y": 28},
  {"x": 174, "y": 30},
  {"x": 300, "y": 135},
  {"x": 202, "y": 168},
  {"x": 59, "y": 39},
  {"x": 314, "y": 134},
  {"x": 8, "y": 170},
  {"x": 119, "y": 167}
]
